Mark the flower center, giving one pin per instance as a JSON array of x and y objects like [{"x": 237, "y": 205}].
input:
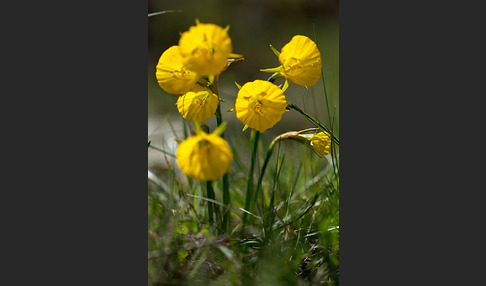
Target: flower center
[
  {"x": 257, "y": 105},
  {"x": 201, "y": 98},
  {"x": 293, "y": 67},
  {"x": 203, "y": 146},
  {"x": 181, "y": 74},
  {"x": 205, "y": 50}
]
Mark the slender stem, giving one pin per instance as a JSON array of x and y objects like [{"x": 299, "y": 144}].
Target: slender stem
[
  {"x": 210, "y": 194},
  {"x": 264, "y": 167},
  {"x": 274, "y": 76},
  {"x": 335, "y": 164},
  {"x": 226, "y": 195},
  {"x": 323, "y": 84},
  {"x": 226, "y": 202},
  {"x": 249, "y": 188},
  {"x": 162, "y": 150},
  {"x": 316, "y": 122}
]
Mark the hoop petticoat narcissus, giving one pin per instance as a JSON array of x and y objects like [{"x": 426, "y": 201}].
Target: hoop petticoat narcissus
[
  {"x": 260, "y": 104},
  {"x": 320, "y": 142},
  {"x": 204, "y": 157},
  {"x": 197, "y": 104},
  {"x": 300, "y": 61},
  {"x": 172, "y": 75},
  {"x": 205, "y": 48}
]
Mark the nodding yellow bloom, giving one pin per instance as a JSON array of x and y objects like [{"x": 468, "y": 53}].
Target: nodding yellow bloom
[
  {"x": 205, "y": 48},
  {"x": 199, "y": 104},
  {"x": 260, "y": 104},
  {"x": 204, "y": 157},
  {"x": 320, "y": 142},
  {"x": 172, "y": 75},
  {"x": 300, "y": 61}
]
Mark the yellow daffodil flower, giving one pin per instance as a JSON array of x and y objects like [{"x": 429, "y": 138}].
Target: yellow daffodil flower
[
  {"x": 204, "y": 157},
  {"x": 172, "y": 75},
  {"x": 300, "y": 61},
  {"x": 205, "y": 48},
  {"x": 260, "y": 104},
  {"x": 199, "y": 104},
  {"x": 320, "y": 142}
]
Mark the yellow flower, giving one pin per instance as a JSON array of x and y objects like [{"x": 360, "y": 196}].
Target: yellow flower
[
  {"x": 320, "y": 142},
  {"x": 204, "y": 157},
  {"x": 199, "y": 103},
  {"x": 205, "y": 48},
  {"x": 172, "y": 75},
  {"x": 300, "y": 61},
  {"x": 260, "y": 104}
]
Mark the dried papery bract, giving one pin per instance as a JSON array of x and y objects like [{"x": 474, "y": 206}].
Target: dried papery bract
[{"x": 171, "y": 73}]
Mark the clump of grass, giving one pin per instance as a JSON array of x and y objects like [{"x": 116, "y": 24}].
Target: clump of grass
[{"x": 295, "y": 238}]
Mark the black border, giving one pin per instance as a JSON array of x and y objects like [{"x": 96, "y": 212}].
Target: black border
[{"x": 74, "y": 203}]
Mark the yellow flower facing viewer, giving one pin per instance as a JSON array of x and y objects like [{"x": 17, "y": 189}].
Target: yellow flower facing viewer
[
  {"x": 300, "y": 61},
  {"x": 260, "y": 104},
  {"x": 204, "y": 157},
  {"x": 205, "y": 48},
  {"x": 198, "y": 104},
  {"x": 172, "y": 75},
  {"x": 320, "y": 142}
]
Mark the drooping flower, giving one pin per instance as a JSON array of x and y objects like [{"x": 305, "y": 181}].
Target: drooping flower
[
  {"x": 204, "y": 157},
  {"x": 300, "y": 61},
  {"x": 172, "y": 75},
  {"x": 320, "y": 142},
  {"x": 260, "y": 104},
  {"x": 205, "y": 48},
  {"x": 198, "y": 104}
]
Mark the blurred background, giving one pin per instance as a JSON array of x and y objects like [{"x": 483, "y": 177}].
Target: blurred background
[{"x": 254, "y": 25}]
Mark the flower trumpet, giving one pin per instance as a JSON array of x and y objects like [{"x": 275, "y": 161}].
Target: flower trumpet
[
  {"x": 300, "y": 61},
  {"x": 260, "y": 105},
  {"x": 204, "y": 157},
  {"x": 171, "y": 73},
  {"x": 198, "y": 104}
]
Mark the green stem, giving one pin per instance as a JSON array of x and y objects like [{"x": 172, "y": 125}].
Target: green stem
[
  {"x": 316, "y": 122},
  {"x": 264, "y": 167},
  {"x": 274, "y": 76},
  {"x": 162, "y": 150},
  {"x": 249, "y": 188},
  {"x": 226, "y": 195},
  {"x": 210, "y": 194}
]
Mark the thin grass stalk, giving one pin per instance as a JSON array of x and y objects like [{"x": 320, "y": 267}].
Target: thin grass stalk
[
  {"x": 264, "y": 167},
  {"x": 226, "y": 224},
  {"x": 249, "y": 187},
  {"x": 162, "y": 150},
  {"x": 330, "y": 120},
  {"x": 315, "y": 122},
  {"x": 210, "y": 194},
  {"x": 323, "y": 83}
]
